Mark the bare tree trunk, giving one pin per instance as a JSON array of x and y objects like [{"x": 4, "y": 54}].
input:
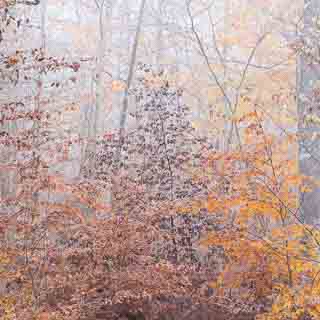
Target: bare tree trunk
[
  {"x": 158, "y": 37},
  {"x": 309, "y": 154},
  {"x": 96, "y": 116},
  {"x": 123, "y": 115}
]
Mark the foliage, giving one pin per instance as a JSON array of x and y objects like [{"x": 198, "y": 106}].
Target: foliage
[{"x": 172, "y": 217}]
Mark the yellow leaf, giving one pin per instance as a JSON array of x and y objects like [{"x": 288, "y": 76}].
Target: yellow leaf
[
  {"x": 117, "y": 86},
  {"x": 213, "y": 205}
]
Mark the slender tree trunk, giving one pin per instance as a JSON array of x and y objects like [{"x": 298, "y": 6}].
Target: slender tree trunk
[
  {"x": 96, "y": 116},
  {"x": 227, "y": 138},
  {"x": 123, "y": 115},
  {"x": 159, "y": 36},
  {"x": 125, "y": 105}
]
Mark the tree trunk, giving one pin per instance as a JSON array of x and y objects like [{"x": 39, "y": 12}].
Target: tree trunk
[
  {"x": 123, "y": 115},
  {"x": 125, "y": 105},
  {"x": 309, "y": 153},
  {"x": 96, "y": 114}
]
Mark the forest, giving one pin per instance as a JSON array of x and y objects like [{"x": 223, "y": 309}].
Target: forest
[{"x": 159, "y": 160}]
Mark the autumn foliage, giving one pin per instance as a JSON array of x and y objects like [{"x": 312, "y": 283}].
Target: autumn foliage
[{"x": 172, "y": 217}]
